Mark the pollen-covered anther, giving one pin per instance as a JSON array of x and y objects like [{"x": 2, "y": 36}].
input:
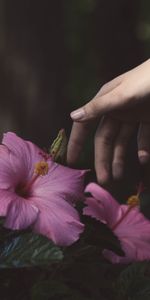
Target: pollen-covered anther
[
  {"x": 41, "y": 168},
  {"x": 133, "y": 200}
]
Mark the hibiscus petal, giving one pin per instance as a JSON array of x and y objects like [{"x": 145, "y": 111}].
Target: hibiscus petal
[
  {"x": 127, "y": 223},
  {"x": 134, "y": 251},
  {"x": 114, "y": 258},
  {"x": 95, "y": 209},
  {"x": 66, "y": 181},
  {"x": 134, "y": 225},
  {"x": 23, "y": 154},
  {"x": 6, "y": 198},
  {"x": 7, "y": 179},
  {"x": 57, "y": 220},
  {"x": 108, "y": 206},
  {"x": 21, "y": 214}
]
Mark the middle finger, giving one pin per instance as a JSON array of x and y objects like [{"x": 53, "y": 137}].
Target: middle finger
[{"x": 104, "y": 141}]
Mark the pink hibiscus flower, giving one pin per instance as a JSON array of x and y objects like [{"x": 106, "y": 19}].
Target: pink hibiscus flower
[
  {"x": 37, "y": 192},
  {"x": 126, "y": 222}
]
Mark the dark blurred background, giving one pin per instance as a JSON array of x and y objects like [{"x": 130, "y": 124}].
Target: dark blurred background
[{"x": 55, "y": 55}]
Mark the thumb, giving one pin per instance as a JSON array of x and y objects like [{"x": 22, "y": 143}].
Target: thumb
[{"x": 98, "y": 106}]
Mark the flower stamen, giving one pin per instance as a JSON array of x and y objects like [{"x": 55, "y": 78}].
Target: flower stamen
[
  {"x": 133, "y": 201},
  {"x": 41, "y": 168}
]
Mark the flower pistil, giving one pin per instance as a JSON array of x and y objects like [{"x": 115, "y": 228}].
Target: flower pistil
[{"x": 41, "y": 169}]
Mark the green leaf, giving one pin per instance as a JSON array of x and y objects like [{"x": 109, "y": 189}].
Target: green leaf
[
  {"x": 133, "y": 284},
  {"x": 54, "y": 290},
  {"x": 28, "y": 250},
  {"x": 58, "y": 148}
]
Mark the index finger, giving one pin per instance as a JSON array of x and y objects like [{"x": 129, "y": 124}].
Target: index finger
[
  {"x": 78, "y": 136},
  {"x": 80, "y": 131}
]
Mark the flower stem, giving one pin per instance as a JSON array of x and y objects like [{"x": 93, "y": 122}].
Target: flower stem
[{"x": 122, "y": 218}]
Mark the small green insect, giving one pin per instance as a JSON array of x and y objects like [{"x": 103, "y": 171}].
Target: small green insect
[{"x": 58, "y": 148}]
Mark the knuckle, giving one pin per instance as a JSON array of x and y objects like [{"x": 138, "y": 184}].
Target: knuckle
[
  {"x": 91, "y": 108},
  {"x": 101, "y": 141},
  {"x": 120, "y": 93},
  {"x": 106, "y": 140},
  {"x": 105, "y": 87},
  {"x": 125, "y": 93},
  {"x": 105, "y": 134}
]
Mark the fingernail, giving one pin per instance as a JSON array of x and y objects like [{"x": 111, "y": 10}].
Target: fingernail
[
  {"x": 144, "y": 156},
  {"x": 77, "y": 114}
]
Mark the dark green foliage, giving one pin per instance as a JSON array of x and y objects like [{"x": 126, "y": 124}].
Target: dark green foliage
[
  {"x": 133, "y": 283},
  {"x": 32, "y": 267},
  {"x": 28, "y": 250},
  {"x": 97, "y": 49},
  {"x": 54, "y": 290}
]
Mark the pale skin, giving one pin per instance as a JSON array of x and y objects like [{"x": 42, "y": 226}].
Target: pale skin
[{"x": 120, "y": 107}]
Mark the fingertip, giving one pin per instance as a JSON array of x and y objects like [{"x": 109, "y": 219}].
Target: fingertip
[
  {"x": 144, "y": 156},
  {"x": 117, "y": 171},
  {"x": 103, "y": 177},
  {"x": 78, "y": 114}
]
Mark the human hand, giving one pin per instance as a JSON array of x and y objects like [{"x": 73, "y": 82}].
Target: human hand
[{"x": 125, "y": 101}]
